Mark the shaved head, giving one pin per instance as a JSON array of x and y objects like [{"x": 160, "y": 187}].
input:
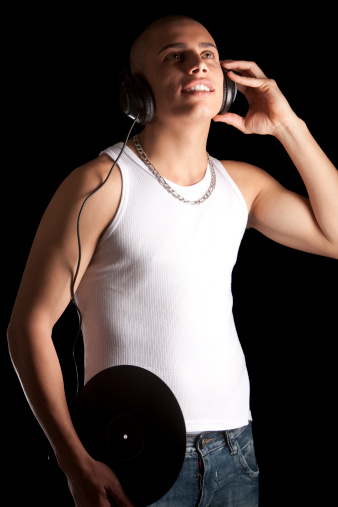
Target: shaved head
[
  {"x": 166, "y": 55},
  {"x": 141, "y": 44}
]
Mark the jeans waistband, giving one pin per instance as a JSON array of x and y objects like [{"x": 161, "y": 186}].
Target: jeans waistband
[{"x": 209, "y": 440}]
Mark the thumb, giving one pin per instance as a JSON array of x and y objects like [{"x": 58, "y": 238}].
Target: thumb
[{"x": 231, "y": 119}]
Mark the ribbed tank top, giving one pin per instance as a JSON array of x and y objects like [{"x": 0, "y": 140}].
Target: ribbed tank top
[{"x": 157, "y": 293}]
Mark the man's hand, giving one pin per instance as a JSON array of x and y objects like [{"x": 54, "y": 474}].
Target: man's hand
[
  {"x": 268, "y": 108},
  {"x": 95, "y": 485}
]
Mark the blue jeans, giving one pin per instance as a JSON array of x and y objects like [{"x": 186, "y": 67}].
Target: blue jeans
[{"x": 219, "y": 470}]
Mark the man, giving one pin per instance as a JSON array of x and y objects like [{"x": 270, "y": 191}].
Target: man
[{"x": 170, "y": 265}]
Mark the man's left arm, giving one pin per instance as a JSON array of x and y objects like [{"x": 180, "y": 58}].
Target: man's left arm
[{"x": 306, "y": 224}]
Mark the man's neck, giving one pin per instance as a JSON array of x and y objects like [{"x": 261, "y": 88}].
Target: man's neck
[{"x": 178, "y": 153}]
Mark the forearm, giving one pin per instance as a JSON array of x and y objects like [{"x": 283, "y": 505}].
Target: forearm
[
  {"x": 91, "y": 482},
  {"x": 38, "y": 368},
  {"x": 317, "y": 172}
]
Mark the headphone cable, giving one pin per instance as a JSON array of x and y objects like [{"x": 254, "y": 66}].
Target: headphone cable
[{"x": 79, "y": 254}]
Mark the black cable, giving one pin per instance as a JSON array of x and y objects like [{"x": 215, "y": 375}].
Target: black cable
[{"x": 79, "y": 256}]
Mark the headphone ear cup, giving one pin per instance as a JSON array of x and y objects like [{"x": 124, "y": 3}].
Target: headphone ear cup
[
  {"x": 135, "y": 97},
  {"x": 229, "y": 93}
]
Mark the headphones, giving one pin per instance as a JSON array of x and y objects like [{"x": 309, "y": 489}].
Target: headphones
[{"x": 137, "y": 102}]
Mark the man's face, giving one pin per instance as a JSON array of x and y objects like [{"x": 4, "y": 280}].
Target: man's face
[{"x": 183, "y": 69}]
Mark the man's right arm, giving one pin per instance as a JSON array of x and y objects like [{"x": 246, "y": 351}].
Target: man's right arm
[{"x": 44, "y": 293}]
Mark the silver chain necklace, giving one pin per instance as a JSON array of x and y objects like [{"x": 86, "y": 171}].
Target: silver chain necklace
[{"x": 164, "y": 183}]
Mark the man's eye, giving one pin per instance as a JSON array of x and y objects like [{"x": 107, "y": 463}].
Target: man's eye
[
  {"x": 208, "y": 54},
  {"x": 173, "y": 56}
]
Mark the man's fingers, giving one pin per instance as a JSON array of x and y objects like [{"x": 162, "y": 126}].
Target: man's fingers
[
  {"x": 252, "y": 82},
  {"x": 245, "y": 68},
  {"x": 116, "y": 492}
]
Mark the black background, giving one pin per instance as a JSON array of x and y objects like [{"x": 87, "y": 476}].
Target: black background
[{"x": 61, "y": 65}]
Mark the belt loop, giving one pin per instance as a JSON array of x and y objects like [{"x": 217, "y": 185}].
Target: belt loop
[{"x": 232, "y": 445}]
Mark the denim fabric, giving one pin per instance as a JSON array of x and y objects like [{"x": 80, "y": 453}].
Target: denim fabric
[{"x": 219, "y": 470}]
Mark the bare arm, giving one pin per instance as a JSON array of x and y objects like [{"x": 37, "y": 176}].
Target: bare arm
[
  {"x": 43, "y": 295},
  {"x": 286, "y": 217},
  {"x": 308, "y": 224}
]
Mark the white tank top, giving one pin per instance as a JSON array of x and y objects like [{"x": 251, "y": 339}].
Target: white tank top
[{"x": 157, "y": 293}]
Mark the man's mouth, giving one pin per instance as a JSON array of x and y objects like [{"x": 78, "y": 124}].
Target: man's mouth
[{"x": 200, "y": 88}]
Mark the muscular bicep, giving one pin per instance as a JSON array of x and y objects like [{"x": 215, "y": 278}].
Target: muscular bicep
[
  {"x": 45, "y": 290},
  {"x": 286, "y": 217},
  {"x": 46, "y": 282}
]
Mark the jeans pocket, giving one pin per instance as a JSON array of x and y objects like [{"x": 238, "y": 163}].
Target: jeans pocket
[{"x": 245, "y": 453}]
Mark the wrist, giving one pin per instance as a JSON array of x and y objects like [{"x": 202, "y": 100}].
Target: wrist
[
  {"x": 290, "y": 129},
  {"x": 72, "y": 457}
]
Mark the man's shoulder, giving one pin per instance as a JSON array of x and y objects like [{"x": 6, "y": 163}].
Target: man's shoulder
[
  {"x": 240, "y": 167},
  {"x": 90, "y": 175},
  {"x": 249, "y": 178},
  {"x": 245, "y": 172}
]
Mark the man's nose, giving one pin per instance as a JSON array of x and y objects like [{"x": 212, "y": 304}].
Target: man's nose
[{"x": 197, "y": 65}]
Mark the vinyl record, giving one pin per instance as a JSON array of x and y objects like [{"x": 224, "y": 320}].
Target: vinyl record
[{"x": 128, "y": 418}]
